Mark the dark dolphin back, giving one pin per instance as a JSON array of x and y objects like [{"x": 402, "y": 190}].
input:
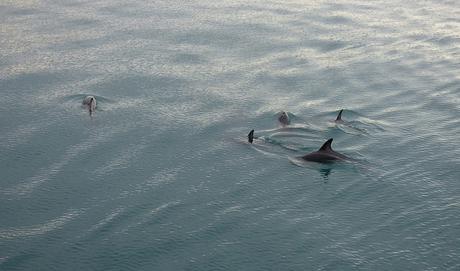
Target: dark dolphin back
[{"x": 326, "y": 146}]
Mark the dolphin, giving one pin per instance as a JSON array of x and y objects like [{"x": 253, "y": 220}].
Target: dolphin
[
  {"x": 339, "y": 117},
  {"x": 325, "y": 154},
  {"x": 90, "y": 101},
  {"x": 251, "y": 136},
  {"x": 284, "y": 118}
]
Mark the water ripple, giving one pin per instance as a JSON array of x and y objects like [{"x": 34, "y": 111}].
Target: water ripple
[{"x": 40, "y": 229}]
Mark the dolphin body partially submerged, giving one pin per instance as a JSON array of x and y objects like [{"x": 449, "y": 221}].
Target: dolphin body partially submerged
[
  {"x": 325, "y": 154},
  {"x": 90, "y": 102},
  {"x": 284, "y": 118}
]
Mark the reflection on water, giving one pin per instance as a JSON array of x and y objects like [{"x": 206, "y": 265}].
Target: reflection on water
[{"x": 325, "y": 172}]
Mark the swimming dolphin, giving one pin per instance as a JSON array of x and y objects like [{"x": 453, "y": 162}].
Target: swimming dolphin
[
  {"x": 90, "y": 101},
  {"x": 339, "y": 117},
  {"x": 251, "y": 136},
  {"x": 325, "y": 154},
  {"x": 284, "y": 118}
]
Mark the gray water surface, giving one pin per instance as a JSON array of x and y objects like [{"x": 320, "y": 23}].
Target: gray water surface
[{"x": 161, "y": 177}]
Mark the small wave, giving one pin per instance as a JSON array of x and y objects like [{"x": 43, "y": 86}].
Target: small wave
[
  {"x": 74, "y": 101},
  {"x": 147, "y": 217},
  {"x": 293, "y": 129},
  {"x": 265, "y": 150},
  {"x": 107, "y": 220},
  {"x": 287, "y": 135},
  {"x": 163, "y": 177},
  {"x": 348, "y": 128},
  {"x": 22, "y": 134},
  {"x": 287, "y": 141},
  {"x": 41, "y": 228},
  {"x": 347, "y": 114},
  {"x": 353, "y": 123},
  {"x": 45, "y": 174},
  {"x": 81, "y": 96},
  {"x": 122, "y": 160}
]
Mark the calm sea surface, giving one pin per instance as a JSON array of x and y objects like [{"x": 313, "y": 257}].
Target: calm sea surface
[{"x": 161, "y": 177}]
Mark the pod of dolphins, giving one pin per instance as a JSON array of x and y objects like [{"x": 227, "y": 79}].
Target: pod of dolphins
[{"x": 325, "y": 154}]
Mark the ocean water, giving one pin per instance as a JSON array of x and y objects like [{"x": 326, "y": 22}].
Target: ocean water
[{"x": 161, "y": 177}]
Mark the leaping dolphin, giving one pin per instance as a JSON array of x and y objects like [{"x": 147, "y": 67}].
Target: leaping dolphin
[
  {"x": 325, "y": 154},
  {"x": 284, "y": 118},
  {"x": 90, "y": 101}
]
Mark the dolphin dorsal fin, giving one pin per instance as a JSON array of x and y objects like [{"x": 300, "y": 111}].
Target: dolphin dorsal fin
[
  {"x": 339, "y": 117},
  {"x": 326, "y": 146},
  {"x": 251, "y": 136}
]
